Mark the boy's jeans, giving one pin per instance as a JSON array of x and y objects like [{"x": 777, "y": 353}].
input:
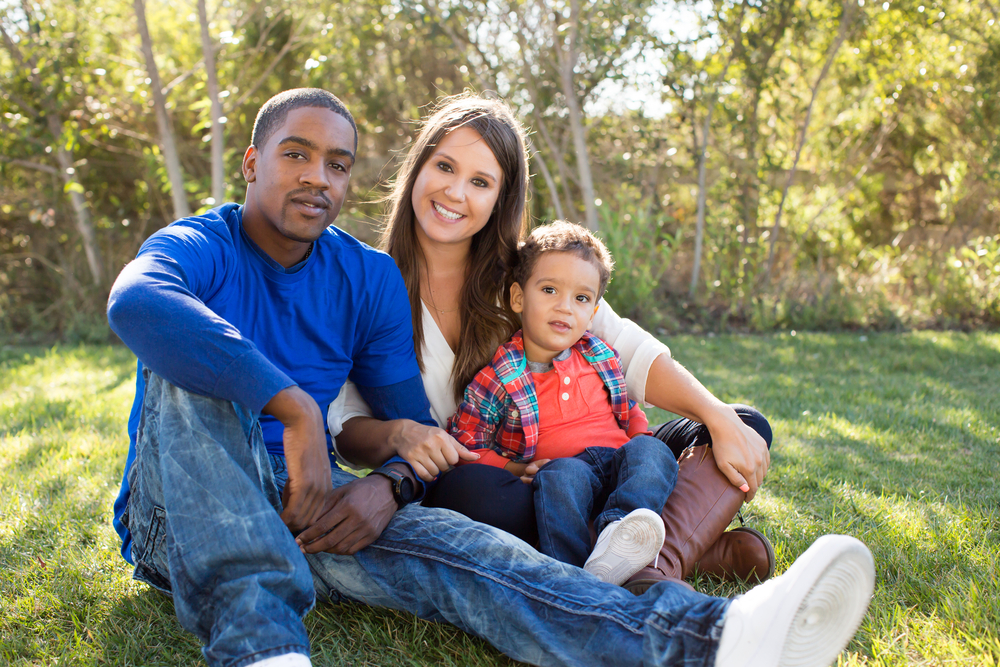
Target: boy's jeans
[
  {"x": 204, "y": 520},
  {"x": 601, "y": 484}
]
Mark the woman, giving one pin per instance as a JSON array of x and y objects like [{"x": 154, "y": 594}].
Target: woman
[{"x": 457, "y": 212}]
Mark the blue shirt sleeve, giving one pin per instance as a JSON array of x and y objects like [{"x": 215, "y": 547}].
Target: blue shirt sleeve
[
  {"x": 157, "y": 307},
  {"x": 383, "y": 351}
]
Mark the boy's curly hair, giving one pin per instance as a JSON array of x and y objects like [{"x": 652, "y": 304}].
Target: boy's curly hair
[{"x": 563, "y": 236}]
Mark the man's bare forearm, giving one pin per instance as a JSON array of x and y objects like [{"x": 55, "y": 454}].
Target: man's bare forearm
[{"x": 369, "y": 442}]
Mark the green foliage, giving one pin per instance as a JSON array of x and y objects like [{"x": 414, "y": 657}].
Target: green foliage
[
  {"x": 902, "y": 145},
  {"x": 643, "y": 252}
]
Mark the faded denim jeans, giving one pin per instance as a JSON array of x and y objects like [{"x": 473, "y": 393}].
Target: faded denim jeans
[
  {"x": 203, "y": 514},
  {"x": 600, "y": 484}
]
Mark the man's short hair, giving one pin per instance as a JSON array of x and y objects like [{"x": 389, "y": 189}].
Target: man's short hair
[
  {"x": 273, "y": 113},
  {"x": 563, "y": 236}
]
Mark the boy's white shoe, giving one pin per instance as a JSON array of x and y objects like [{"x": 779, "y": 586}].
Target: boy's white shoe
[
  {"x": 626, "y": 546},
  {"x": 805, "y": 617},
  {"x": 287, "y": 660}
]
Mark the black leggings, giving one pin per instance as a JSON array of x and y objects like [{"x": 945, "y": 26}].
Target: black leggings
[{"x": 498, "y": 498}]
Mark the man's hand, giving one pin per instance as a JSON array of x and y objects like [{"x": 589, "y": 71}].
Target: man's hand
[
  {"x": 353, "y": 517},
  {"x": 740, "y": 453},
  {"x": 309, "y": 481},
  {"x": 526, "y": 471},
  {"x": 429, "y": 449}
]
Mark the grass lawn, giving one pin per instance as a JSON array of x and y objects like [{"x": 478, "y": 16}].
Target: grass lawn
[{"x": 894, "y": 439}]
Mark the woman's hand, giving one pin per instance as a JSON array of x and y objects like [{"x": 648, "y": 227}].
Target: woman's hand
[
  {"x": 526, "y": 471},
  {"x": 740, "y": 452},
  {"x": 429, "y": 449}
]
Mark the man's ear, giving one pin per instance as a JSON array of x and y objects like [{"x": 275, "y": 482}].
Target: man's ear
[
  {"x": 516, "y": 298},
  {"x": 250, "y": 164}
]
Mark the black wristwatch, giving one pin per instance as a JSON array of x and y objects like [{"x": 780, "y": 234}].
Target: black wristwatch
[{"x": 402, "y": 486}]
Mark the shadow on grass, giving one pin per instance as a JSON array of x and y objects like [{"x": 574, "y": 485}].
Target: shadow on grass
[
  {"x": 32, "y": 415},
  {"x": 142, "y": 629}
]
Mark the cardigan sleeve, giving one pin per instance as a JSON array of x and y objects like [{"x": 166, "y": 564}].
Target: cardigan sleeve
[{"x": 636, "y": 347}]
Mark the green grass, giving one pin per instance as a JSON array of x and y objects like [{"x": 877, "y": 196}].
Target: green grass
[{"x": 892, "y": 438}]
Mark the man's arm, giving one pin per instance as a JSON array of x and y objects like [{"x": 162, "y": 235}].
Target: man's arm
[
  {"x": 157, "y": 308},
  {"x": 354, "y": 515},
  {"x": 304, "y": 439}
]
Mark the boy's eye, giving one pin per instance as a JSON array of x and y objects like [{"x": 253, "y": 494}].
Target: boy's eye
[
  {"x": 549, "y": 290},
  {"x": 583, "y": 298}
]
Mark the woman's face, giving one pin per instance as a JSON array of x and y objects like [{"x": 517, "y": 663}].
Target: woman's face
[{"x": 456, "y": 189}]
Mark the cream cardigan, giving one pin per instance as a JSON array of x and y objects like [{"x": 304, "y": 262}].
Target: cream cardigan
[{"x": 636, "y": 347}]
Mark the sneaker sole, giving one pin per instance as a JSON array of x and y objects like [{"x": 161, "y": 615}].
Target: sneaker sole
[
  {"x": 832, "y": 610},
  {"x": 634, "y": 545}
]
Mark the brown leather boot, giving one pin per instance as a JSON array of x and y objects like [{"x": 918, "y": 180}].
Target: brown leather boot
[{"x": 700, "y": 508}]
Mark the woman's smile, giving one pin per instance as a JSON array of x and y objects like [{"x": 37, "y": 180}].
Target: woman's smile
[{"x": 446, "y": 212}]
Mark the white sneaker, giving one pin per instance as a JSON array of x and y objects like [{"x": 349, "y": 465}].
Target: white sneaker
[
  {"x": 287, "y": 660},
  {"x": 805, "y": 617},
  {"x": 626, "y": 546}
]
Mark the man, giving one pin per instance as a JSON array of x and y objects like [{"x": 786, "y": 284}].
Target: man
[{"x": 246, "y": 322}]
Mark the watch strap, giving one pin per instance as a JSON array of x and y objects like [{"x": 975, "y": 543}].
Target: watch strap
[{"x": 398, "y": 479}]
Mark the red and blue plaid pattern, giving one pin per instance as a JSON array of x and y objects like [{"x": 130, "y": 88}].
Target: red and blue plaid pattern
[{"x": 500, "y": 409}]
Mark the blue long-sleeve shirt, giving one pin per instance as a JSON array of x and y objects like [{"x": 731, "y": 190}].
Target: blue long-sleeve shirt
[{"x": 206, "y": 309}]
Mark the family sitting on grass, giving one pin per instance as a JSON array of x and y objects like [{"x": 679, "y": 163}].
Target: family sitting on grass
[{"x": 492, "y": 393}]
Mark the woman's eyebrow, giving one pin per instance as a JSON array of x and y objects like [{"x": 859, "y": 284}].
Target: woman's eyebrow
[{"x": 484, "y": 174}]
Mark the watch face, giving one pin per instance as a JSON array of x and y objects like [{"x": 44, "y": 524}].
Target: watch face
[{"x": 406, "y": 489}]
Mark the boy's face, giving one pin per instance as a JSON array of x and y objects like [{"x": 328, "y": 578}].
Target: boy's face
[{"x": 557, "y": 304}]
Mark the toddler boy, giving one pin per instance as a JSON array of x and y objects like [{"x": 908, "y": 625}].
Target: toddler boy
[{"x": 554, "y": 396}]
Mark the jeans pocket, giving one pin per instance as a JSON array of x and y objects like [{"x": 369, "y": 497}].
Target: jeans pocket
[{"x": 151, "y": 555}]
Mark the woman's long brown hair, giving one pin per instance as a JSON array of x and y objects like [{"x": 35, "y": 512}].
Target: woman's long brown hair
[{"x": 485, "y": 311}]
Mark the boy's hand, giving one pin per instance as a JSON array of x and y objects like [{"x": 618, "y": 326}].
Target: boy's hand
[
  {"x": 429, "y": 449},
  {"x": 304, "y": 440},
  {"x": 526, "y": 471}
]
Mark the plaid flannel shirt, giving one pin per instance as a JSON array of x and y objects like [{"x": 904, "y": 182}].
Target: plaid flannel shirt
[{"x": 500, "y": 408}]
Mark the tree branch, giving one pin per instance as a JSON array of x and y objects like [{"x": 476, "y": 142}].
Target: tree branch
[
  {"x": 846, "y": 20},
  {"x": 27, "y": 164}
]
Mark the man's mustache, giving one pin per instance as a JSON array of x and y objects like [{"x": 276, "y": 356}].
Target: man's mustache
[{"x": 315, "y": 197}]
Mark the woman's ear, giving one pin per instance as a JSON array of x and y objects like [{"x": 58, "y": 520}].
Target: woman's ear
[{"x": 516, "y": 298}]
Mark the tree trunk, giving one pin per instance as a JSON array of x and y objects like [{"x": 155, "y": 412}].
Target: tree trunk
[
  {"x": 551, "y": 184},
  {"x": 64, "y": 158},
  {"x": 167, "y": 143},
  {"x": 700, "y": 225},
  {"x": 846, "y": 18},
  {"x": 81, "y": 213},
  {"x": 567, "y": 63},
  {"x": 218, "y": 168}
]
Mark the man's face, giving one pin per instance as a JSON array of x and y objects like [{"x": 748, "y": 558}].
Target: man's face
[{"x": 298, "y": 178}]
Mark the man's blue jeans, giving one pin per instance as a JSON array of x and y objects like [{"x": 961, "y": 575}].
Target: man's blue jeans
[
  {"x": 203, "y": 514},
  {"x": 601, "y": 484}
]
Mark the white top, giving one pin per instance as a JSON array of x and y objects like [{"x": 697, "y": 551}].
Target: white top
[{"x": 636, "y": 347}]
